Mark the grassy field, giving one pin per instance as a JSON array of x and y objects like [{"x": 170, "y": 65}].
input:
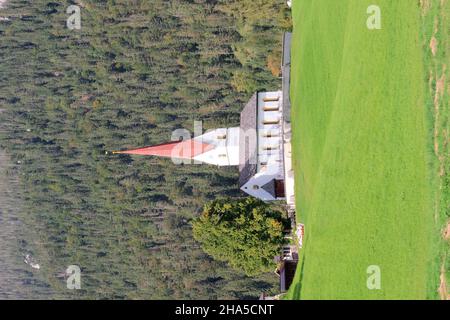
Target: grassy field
[
  {"x": 436, "y": 44},
  {"x": 365, "y": 161}
]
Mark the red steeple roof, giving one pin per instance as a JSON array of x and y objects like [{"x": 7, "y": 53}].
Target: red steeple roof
[{"x": 187, "y": 149}]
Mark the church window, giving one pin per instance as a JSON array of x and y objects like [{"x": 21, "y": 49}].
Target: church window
[
  {"x": 269, "y": 122},
  {"x": 271, "y": 99},
  {"x": 272, "y": 108},
  {"x": 270, "y": 135}
]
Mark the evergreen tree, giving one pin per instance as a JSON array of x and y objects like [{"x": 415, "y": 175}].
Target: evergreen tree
[{"x": 246, "y": 233}]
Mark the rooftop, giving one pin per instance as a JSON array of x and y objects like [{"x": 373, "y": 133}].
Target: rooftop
[{"x": 247, "y": 141}]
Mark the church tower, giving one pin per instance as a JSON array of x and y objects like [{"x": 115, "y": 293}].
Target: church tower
[{"x": 218, "y": 147}]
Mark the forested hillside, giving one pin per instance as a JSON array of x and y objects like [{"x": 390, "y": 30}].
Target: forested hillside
[{"x": 137, "y": 70}]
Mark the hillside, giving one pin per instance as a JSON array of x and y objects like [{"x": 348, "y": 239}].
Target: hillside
[{"x": 135, "y": 71}]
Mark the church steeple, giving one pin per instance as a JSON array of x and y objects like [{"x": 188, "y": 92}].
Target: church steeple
[
  {"x": 217, "y": 147},
  {"x": 187, "y": 149}
]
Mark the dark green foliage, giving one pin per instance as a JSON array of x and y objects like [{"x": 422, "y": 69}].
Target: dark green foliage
[
  {"x": 137, "y": 70},
  {"x": 245, "y": 233}
]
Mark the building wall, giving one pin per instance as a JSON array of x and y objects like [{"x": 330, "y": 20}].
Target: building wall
[
  {"x": 270, "y": 139},
  {"x": 226, "y": 147}
]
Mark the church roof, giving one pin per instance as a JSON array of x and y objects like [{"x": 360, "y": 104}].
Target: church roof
[
  {"x": 269, "y": 187},
  {"x": 187, "y": 149},
  {"x": 247, "y": 145}
]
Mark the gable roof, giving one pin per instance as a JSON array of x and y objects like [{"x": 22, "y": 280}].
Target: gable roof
[
  {"x": 248, "y": 141},
  {"x": 269, "y": 187}
]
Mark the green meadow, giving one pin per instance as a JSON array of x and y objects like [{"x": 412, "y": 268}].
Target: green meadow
[{"x": 363, "y": 156}]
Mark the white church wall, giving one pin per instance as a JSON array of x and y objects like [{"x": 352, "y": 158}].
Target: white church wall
[
  {"x": 267, "y": 132},
  {"x": 226, "y": 147},
  {"x": 270, "y": 95},
  {"x": 233, "y": 145},
  {"x": 270, "y": 140},
  {"x": 254, "y": 186},
  {"x": 270, "y": 118},
  {"x": 269, "y": 144}
]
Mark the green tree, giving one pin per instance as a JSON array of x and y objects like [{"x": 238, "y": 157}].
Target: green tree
[{"x": 245, "y": 233}]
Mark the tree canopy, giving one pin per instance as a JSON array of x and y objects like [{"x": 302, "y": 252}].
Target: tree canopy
[{"x": 246, "y": 233}]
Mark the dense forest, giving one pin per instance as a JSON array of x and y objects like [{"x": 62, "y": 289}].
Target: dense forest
[{"x": 133, "y": 73}]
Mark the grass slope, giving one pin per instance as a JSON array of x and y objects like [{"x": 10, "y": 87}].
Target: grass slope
[
  {"x": 436, "y": 44},
  {"x": 360, "y": 144}
]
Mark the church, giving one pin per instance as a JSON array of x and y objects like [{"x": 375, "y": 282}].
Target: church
[{"x": 260, "y": 147}]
